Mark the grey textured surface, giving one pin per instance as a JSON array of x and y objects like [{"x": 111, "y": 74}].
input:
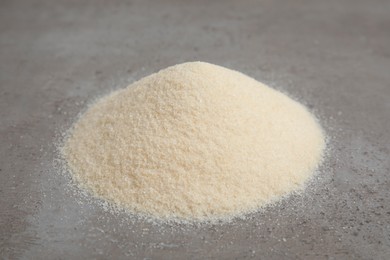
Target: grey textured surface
[{"x": 57, "y": 56}]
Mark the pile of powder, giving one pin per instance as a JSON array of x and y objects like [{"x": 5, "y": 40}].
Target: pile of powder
[{"x": 194, "y": 141}]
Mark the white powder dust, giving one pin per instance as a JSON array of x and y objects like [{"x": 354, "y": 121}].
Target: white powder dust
[{"x": 194, "y": 142}]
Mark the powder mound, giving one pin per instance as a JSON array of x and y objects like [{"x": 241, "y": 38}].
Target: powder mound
[{"x": 194, "y": 141}]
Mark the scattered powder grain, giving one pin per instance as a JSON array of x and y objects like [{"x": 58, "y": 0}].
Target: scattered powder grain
[{"x": 194, "y": 141}]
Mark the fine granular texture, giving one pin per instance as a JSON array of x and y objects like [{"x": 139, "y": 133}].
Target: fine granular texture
[{"x": 194, "y": 141}]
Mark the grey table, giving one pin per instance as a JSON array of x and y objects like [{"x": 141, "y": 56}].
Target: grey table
[{"x": 58, "y": 56}]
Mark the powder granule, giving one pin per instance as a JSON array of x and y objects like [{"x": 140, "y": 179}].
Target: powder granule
[{"x": 194, "y": 141}]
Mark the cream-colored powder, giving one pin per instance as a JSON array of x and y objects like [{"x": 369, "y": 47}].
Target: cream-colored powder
[{"x": 194, "y": 141}]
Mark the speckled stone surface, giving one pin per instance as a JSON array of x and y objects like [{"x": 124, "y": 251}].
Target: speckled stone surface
[{"x": 58, "y": 56}]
